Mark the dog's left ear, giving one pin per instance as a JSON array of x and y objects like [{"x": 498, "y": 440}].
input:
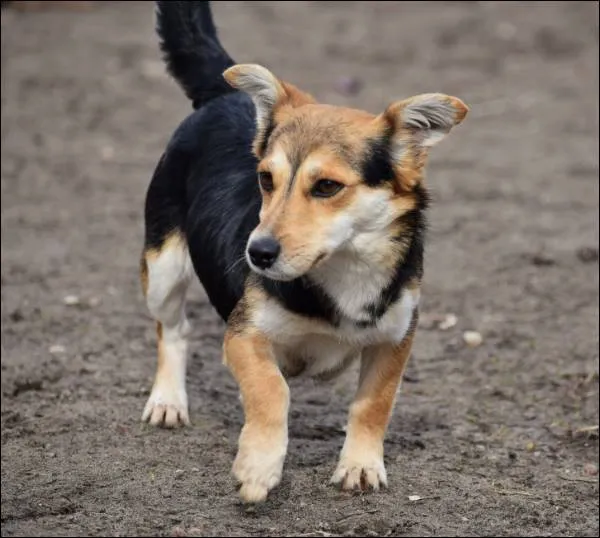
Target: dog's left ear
[
  {"x": 268, "y": 93},
  {"x": 427, "y": 118},
  {"x": 417, "y": 124}
]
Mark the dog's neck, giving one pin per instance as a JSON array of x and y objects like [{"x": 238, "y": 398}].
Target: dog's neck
[
  {"x": 365, "y": 279},
  {"x": 349, "y": 287},
  {"x": 353, "y": 279}
]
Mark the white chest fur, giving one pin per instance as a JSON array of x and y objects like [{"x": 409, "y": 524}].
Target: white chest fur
[{"x": 323, "y": 348}]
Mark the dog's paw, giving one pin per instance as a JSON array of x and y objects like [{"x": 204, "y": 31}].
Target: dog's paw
[
  {"x": 360, "y": 473},
  {"x": 258, "y": 465},
  {"x": 166, "y": 407}
]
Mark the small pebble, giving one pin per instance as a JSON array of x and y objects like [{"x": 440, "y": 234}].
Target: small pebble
[
  {"x": 136, "y": 346},
  {"x": 590, "y": 469},
  {"x": 449, "y": 321},
  {"x": 414, "y": 497},
  {"x": 530, "y": 446},
  {"x": 57, "y": 349},
  {"x": 71, "y": 300},
  {"x": 472, "y": 338}
]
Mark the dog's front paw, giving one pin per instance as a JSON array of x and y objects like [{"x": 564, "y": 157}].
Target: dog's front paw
[
  {"x": 166, "y": 407},
  {"x": 362, "y": 471},
  {"x": 258, "y": 465}
]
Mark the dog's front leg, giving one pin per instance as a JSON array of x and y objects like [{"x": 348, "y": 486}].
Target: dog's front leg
[
  {"x": 265, "y": 398},
  {"x": 361, "y": 461}
]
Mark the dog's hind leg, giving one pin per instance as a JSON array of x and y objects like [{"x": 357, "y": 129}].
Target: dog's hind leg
[{"x": 166, "y": 272}]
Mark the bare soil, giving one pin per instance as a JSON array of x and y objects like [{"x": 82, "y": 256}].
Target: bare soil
[{"x": 496, "y": 440}]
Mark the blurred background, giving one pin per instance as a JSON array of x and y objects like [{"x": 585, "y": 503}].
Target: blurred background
[{"x": 495, "y": 434}]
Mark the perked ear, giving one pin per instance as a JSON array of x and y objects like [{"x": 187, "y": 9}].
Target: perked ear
[
  {"x": 426, "y": 119},
  {"x": 267, "y": 92},
  {"x": 416, "y": 124},
  {"x": 261, "y": 85}
]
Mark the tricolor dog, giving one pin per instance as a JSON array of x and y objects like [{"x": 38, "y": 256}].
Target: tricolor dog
[{"x": 305, "y": 224}]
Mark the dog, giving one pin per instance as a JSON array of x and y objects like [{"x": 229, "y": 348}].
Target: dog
[{"x": 305, "y": 224}]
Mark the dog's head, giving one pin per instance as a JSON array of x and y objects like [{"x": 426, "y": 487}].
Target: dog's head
[{"x": 334, "y": 179}]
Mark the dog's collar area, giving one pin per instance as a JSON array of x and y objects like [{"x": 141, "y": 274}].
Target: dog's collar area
[
  {"x": 307, "y": 298},
  {"x": 303, "y": 296}
]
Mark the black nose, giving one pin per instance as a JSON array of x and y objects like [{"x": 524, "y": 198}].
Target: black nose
[{"x": 263, "y": 252}]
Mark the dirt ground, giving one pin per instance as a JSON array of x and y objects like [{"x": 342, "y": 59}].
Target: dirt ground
[{"x": 496, "y": 440}]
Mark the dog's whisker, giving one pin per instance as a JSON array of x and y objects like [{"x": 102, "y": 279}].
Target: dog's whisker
[{"x": 235, "y": 264}]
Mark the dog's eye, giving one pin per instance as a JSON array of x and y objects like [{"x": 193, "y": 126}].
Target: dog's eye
[
  {"x": 324, "y": 188},
  {"x": 265, "y": 180}
]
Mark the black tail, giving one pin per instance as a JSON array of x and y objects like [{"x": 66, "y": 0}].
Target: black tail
[{"x": 191, "y": 48}]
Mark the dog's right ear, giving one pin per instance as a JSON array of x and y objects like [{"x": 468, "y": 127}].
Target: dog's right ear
[
  {"x": 268, "y": 93},
  {"x": 262, "y": 86}
]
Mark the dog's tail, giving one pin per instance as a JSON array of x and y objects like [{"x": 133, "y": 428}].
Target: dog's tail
[{"x": 191, "y": 48}]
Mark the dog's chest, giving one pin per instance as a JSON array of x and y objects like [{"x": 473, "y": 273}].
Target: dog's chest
[{"x": 317, "y": 347}]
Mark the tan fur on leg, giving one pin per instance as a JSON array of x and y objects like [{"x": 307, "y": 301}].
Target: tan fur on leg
[
  {"x": 361, "y": 461},
  {"x": 265, "y": 397}
]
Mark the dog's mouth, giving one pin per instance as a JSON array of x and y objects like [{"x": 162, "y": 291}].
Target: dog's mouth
[
  {"x": 276, "y": 275},
  {"x": 283, "y": 271},
  {"x": 318, "y": 260}
]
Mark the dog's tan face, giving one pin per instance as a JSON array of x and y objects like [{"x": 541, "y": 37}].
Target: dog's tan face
[{"x": 334, "y": 180}]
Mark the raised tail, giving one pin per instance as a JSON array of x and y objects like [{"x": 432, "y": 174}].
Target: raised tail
[{"x": 191, "y": 49}]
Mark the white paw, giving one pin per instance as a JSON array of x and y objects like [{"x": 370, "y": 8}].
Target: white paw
[
  {"x": 258, "y": 465},
  {"x": 167, "y": 407},
  {"x": 363, "y": 473}
]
